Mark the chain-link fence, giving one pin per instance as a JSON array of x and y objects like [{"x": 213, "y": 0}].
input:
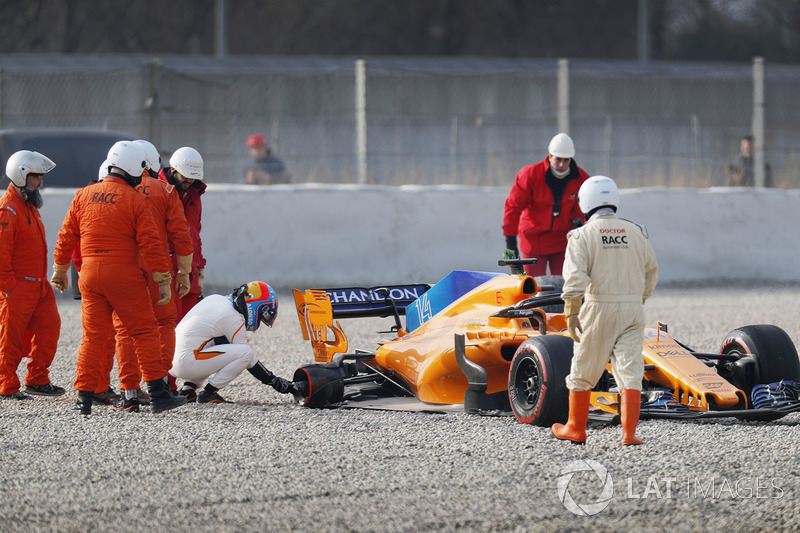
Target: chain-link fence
[{"x": 427, "y": 120}]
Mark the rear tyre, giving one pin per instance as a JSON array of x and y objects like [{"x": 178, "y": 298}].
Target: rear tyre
[
  {"x": 773, "y": 352},
  {"x": 537, "y": 388},
  {"x": 323, "y": 384}
]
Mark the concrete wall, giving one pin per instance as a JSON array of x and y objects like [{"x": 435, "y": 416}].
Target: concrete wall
[{"x": 301, "y": 236}]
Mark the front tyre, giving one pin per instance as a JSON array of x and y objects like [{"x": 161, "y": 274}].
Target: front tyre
[
  {"x": 537, "y": 388},
  {"x": 774, "y": 357}
]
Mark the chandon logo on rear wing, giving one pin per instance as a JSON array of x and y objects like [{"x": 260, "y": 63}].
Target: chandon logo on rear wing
[{"x": 354, "y": 302}]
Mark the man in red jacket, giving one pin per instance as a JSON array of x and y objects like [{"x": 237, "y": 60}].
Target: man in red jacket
[
  {"x": 28, "y": 310},
  {"x": 185, "y": 173},
  {"x": 542, "y": 207}
]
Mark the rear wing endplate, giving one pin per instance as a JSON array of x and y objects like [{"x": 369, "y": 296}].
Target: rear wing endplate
[{"x": 317, "y": 309}]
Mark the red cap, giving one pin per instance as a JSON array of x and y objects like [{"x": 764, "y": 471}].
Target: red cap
[{"x": 256, "y": 141}]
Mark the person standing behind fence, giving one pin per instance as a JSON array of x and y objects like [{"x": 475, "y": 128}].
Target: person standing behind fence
[
  {"x": 542, "y": 207},
  {"x": 742, "y": 172},
  {"x": 265, "y": 168},
  {"x": 185, "y": 173},
  {"x": 115, "y": 225},
  {"x": 27, "y": 303}
]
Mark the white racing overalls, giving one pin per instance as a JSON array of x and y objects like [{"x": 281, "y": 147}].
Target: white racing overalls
[
  {"x": 211, "y": 343},
  {"x": 611, "y": 263}
]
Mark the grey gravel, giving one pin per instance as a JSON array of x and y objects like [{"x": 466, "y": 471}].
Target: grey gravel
[{"x": 265, "y": 464}]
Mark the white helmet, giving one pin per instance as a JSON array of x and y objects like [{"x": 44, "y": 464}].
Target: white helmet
[
  {"x": 188, "y": 162},
  {"x": 102, "y": 172},
  {"x": 153, "y": 158},
  {"x": 561, "y": 146},
  {"x": 596, "y": 192},
  {"x": 127, "y": 156},
  {"x": 25, "y": 162}
]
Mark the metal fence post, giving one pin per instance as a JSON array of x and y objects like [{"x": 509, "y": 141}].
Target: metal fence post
[
  {"x": 221, "y": 28},
  {"x": 563, "y": 95},
  {"x": 152, "y": 105},
  {"x": 759, "y": 169},
  {"x": 361, "y": 119}
]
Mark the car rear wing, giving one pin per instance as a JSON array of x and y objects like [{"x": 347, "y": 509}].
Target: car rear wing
[
  {"x": 382, "y": 301},
  {"x": 317, "y": 309}
]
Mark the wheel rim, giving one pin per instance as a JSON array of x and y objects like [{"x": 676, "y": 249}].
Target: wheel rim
[{"x": 528, "y": 383}]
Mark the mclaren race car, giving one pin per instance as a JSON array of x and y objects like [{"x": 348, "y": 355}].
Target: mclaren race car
[{"x": 494, "y": 343}]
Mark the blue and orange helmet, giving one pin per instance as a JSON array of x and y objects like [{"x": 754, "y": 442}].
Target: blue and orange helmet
[{"x": 257, "y": 302}]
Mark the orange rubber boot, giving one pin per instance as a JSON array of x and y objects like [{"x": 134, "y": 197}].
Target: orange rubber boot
[
  {"x": 631, "y": 402},
  {"x": 575, "y": 428}
]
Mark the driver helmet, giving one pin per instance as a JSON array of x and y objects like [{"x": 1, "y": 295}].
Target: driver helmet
[
  {"x": 257, "y": 302},
  {"x": 597, "y": 192}
]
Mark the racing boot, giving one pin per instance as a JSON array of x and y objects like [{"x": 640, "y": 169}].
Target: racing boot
[
  {"x": 161, "y": 398},
  {"x": 575, "y": 428},
  {"x": 630, "y": 404},
  {"x": 84, "y": 404}
]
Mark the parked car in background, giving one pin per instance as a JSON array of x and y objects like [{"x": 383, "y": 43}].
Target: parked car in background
[{"x": 77, "y": 152}]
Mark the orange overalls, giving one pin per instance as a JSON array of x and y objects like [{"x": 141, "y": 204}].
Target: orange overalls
[
  {"x": 114, "y": 223},
  {"x": 173, "y": 230},
  {"x": 108, "y": 359},
  {"x": 30, "y": 304}
]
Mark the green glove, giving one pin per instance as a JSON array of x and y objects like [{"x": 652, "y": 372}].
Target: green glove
[{"x": 512, "y": 250}]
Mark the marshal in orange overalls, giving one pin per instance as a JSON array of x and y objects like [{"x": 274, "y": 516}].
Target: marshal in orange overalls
[
  {"x": 173, "y": 231},
  {"x": 114, "y": 224},
  {"x": 27, "y": 301}
]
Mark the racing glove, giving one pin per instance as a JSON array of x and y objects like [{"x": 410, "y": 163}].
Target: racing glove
[
  {"x": 511, "y": 251},
  {"x": 572, "y": 307},
  {"x": 164, "y": 280},
  {"x": 182, "y": 282},
  {"x": 260, "y": 372},
  {"x": 60, "y": 280},
  {"x": 284, "y": 386}
]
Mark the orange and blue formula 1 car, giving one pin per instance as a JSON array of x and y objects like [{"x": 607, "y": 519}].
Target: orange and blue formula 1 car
[{"x": 497, "y": 344}]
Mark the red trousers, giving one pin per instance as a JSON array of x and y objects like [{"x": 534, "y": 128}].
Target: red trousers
[
  {"x": 30, "y": 307},
  {"x": 121, "y": 288},
  {"x": 166, "y": 315},
  {"x": 186, "y": 303},
  {"x": 556, "y": 262}
]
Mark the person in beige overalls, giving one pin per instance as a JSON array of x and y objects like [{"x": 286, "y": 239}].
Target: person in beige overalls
[{"x": 611, "y": 263}]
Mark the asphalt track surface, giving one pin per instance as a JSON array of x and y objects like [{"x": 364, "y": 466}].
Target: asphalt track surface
[{"x": 265, "y": 464}]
